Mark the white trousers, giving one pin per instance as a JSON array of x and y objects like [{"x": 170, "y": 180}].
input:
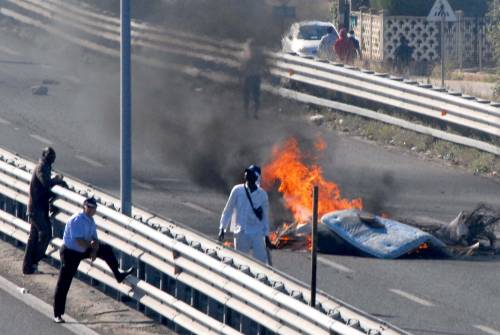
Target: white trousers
[{"x": 244, "y": 242}]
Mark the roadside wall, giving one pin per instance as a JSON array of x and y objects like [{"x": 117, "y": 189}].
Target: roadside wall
[{"x": 466, "y": 41}]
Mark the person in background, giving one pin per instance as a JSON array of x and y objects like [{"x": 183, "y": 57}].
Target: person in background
[
  {"x": 79, "y": 242},
  {"x": 344, "y": 49},
  {"x": 252, "y": 68},
  {"x": 325, "y": 48},
  {"x": 355, "y": 42},
  {"x": 402, "y": 56},
  {"x": 247, "y": 210},
  {"x": 40, "y": 195}
]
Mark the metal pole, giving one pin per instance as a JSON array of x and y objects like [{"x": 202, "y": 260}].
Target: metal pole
[
  {"x": 480, "y": 31},
  {"x": 125, "y": 112},
  {"x": 442, "y": 51},
  {"x": 460, "y": 47},
  {"x": 314, "y": 239}
]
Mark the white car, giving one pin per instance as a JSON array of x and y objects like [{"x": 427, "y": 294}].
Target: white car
[{"x": 303, "y": 37}]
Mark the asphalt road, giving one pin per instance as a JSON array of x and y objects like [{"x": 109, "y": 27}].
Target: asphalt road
[
  {"x": 23, "y": 313},
  {"x": 19, "y": 318},
  {"x": 79, "y": 118}
]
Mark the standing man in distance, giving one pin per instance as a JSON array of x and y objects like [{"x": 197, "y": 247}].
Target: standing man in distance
[
  {"x": 248, "y": 210},
  {"x": 344, "y": 49},
  {"x": 80, "y": 242},
  {"x": 40, "y": 195},
  {"x": 252, "y": 68},
  {"x": 325, "y": 48},
  {"x": 355, "y": 42}
]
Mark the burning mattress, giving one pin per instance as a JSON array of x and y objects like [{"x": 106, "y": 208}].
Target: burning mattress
[{"x": 377, "y": 236}]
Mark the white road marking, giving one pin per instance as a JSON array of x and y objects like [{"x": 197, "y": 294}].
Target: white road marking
[
  {"x": 167, "y": 179},
  {"x": 89, "y": 161},
  {"x": 334, "y": 265},
  {"x": 143, "y": 185},
  {"x": 199, "y": 208},
  {"x": 41, "y": 139},
  {"x": 412, "y": 297},
  {"x": 3, "y": 121},
  {"x": 73, "y": 79},
  {"x": 487, "y": 330},
  {"x": 8, "y": 51},
  {"x": 42, "y": 307}
]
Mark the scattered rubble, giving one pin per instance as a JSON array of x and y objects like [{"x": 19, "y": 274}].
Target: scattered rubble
[
  {"x": 40, "y": 90},
  {"x": 50, "y": 82},
  {"x": 355, "y": 232},
  {"x": 317, "y": 119}
]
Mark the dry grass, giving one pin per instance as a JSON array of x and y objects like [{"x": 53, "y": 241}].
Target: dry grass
[{"x": 473, "y": 160}]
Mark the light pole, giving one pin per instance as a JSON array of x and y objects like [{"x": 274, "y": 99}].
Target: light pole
[{"x": 125, "y": 111}]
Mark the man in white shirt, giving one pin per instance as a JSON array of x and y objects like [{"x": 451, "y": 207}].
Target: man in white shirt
[
  {"x": 80, "y": 242},
  {"x": 325, "y": 48},
  {"x": 247, "y": 211}
]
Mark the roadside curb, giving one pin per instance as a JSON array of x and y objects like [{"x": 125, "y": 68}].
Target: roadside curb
[{"x": 42, "y": 307}]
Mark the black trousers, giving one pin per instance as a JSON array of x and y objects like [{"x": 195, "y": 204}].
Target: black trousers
[
  {"x": 251, "y": 89},
  {"x": 38, "y": 241},
  {"x": 70, "y": 259}
]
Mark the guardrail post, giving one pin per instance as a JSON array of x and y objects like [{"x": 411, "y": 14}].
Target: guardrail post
[
  {"x": 163, "y": 287},
  {"x": 141, "y": 273}
]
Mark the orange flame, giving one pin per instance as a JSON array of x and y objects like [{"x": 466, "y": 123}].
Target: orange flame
[{"x": 297, "y": 180}]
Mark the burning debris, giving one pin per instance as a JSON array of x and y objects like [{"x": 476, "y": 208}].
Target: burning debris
[
  {"x": 346, "y": 229},
  {"x": 296, "y": 181}
]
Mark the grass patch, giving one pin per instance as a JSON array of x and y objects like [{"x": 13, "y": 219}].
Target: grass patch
[
  {"x": 473, "y": 160},
  {"x": 483, "y": 163}
]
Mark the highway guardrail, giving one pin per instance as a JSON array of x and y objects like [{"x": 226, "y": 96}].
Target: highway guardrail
[
  {"x": 181, "y": 274},
  {"x": 220, "y": 63}
]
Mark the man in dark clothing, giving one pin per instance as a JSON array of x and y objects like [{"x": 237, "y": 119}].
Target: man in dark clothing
[
  {"x": 402, "y": 55},
  {"x": 252, "y": 68},
  {"x": 355, "y": 43},
  {"x": 38, "y": 210}
]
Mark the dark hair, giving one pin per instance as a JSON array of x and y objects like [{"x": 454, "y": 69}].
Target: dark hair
[
  {"x": 48, "y": 154},
  {"x": 329, "y": 29},
  {"x": 90, "y": 202},
  {"x": 252, "y": 173}
]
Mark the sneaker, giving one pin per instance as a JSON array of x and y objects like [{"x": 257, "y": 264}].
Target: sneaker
[
  {"x": 58, "y": 319},
  {"x": 123, "y": 274}
]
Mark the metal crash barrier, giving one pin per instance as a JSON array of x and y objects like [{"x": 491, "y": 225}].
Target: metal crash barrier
[
  {"x": 188, "y": 280},
  {"x": 218, "y": 61}
]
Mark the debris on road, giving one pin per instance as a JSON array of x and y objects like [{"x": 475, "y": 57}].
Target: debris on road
[
  {"x": 50, "y": 82},
  {"x": 355, "y": 232},
  {"x": 480, "y": 225},
  {"x": 40, "y": 90}
]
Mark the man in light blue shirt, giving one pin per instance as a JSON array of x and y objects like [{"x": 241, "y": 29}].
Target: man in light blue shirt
[{"x": 80, "y": 242}]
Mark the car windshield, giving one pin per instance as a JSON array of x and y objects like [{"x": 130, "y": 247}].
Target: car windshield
[{"x": 312, "y": 32}]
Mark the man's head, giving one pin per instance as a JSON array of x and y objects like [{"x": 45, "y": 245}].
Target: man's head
[
  {"x": 252, "y": 174},
  {"x": 351, "y": 32},
  {"x": 329, "y": 30},
  {"x": 49, "y": 155},
  {"x": 343, "y": 33},
  {"x": 90, "y": 206}
]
